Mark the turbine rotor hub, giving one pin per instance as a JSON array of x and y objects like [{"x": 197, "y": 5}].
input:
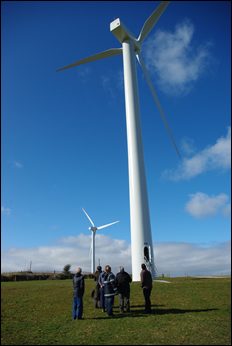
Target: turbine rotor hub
[{"x": 122, "y": 33}]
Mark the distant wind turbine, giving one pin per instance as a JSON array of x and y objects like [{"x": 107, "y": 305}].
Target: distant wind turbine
[
  {"x": 141, "y": 239},
  {"x": 94, "y": 229}
]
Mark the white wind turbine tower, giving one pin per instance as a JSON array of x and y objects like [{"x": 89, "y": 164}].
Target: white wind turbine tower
[
  {"x": 94, "y": 229},
  {"x": 141, "y": 239}
]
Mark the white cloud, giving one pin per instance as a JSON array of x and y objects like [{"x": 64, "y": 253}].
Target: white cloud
[
  {"x": 183, "y": 258},
  {"x": 53, "y": 227},
  {"x": 226, "y": 210},
  {"x": 217, "y": 156},
  {"x": 170, "y": 257},
  {"x": 202, "y": 206},
  {"x": 106, "y": 83},
  {"x": 17, "y": 164},
  {"x": 84, "y": 73},
  {"x": 110, "y": 81},
  {"x": 187, "y": 146},
  {"x": 5, "y": 211},
  {"x": 175, "y": 60}
]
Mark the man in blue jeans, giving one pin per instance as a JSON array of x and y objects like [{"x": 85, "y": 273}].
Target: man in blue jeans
[
  {"x": 78, "y": 292},
  {"x": 110, "y": 290}
]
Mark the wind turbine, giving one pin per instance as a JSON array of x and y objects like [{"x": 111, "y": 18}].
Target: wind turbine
[
  {"x": 94, "y": 229},
  {"x": 141, "y": 239}
]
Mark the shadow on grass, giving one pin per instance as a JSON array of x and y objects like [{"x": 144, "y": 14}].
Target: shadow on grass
[
  {"x": 178, "y": 311},
  {"x": 141, "y": 313},
  {"x": 143, "y": 306}
]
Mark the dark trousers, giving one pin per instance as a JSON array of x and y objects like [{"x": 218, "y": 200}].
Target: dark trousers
[
  {"x": 95, "y": 304},
  {"x": 109, "y": 305},
  {"x": 147, "y": 293},
  {"x": 127, "y": 301},
  {"x": 102, "y": 299}
]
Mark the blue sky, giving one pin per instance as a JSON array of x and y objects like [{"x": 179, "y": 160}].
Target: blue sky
[{"x": 64, "y": 144}]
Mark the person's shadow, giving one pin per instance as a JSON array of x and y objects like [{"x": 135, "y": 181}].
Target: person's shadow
[{"x": 135, "y": 312}]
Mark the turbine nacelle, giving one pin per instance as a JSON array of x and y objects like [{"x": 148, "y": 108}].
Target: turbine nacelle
[
  {"x": 93, "y": 229},
  {"x": 122, "y": 33}
]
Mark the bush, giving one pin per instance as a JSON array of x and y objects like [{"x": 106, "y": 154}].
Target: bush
[{"x": 66, "y": 269}]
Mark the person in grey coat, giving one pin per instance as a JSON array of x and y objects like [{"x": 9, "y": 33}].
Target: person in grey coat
[
  {"x": 96, "y": 294},
  {"x": 78, "y": 292}
]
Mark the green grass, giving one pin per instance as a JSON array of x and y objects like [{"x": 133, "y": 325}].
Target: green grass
[{"x": 187, "y": 311}]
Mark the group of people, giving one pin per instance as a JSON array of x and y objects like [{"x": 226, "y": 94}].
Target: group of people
[{"x": 107, "y": 286}]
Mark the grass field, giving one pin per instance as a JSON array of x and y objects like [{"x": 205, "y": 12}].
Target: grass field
[{"x": 186, "y": 311}]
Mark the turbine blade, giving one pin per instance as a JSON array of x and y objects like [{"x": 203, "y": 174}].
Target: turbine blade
[
  {"x": 88, "y": 217},
  {"x": 150, "y": 22},
  {"x": 106, "y": 54},
  {"x": 138, "y": 55},
  {"x": 107, "y": 225}
]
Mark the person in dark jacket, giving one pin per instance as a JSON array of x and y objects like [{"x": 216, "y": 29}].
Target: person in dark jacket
[
  {"x": 123, "y": 281},
  {"x": 78, "y": 292},
  {"x": 146, "y": 284},
  {"x": 101, "y": 284},
  {"x": 110, "y": 290},
  {"x": 96, "y": 294}
]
